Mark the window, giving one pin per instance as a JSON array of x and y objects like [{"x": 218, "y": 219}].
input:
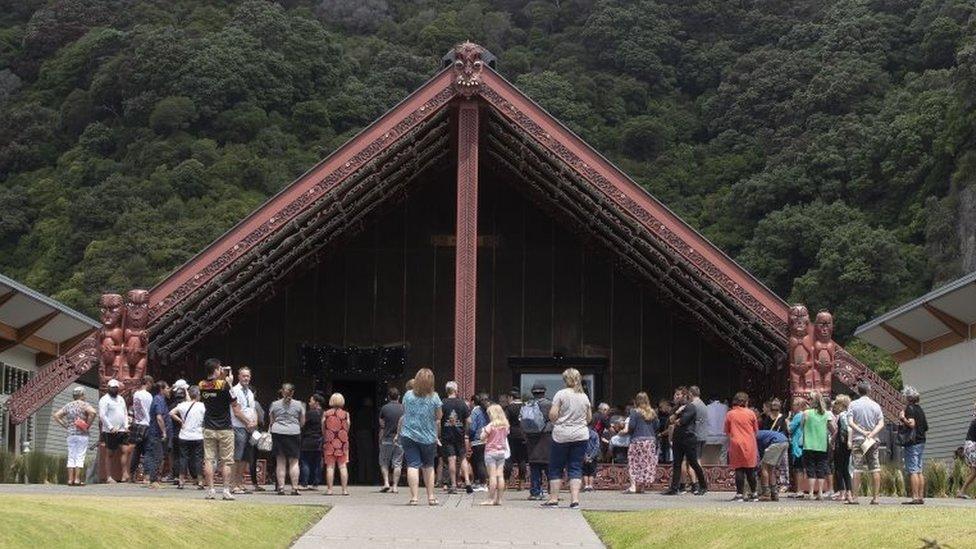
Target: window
[{"x": 553, "y": 383}]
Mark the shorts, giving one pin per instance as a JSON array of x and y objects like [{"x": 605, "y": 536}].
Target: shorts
[
  {"x": 391, "y": 455},
  {"x": 495, "y": 458},
  {"x": 286, "y": 446},
  {"x": 452, "y": 448},
  {"x": 913, "y": 458},
  {"x": 774, "y": 453},
  {"x": 77, "y": 448},
  {"x": 243, "y": 450},
  {"x": 418, "y": 455},
  {"x": 589, "y": 468},
  {"x": 815, "y": 464},
  {"x": 796, "y": 462},
  {"x": 218, "y": 445},
  {"x": 865, "y": 462},
  {"x": 113, "y": 441},
  {"x": 568, "y": 455}
]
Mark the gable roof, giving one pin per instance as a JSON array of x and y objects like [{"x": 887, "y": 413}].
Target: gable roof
[{"x": 293, "y": 227}]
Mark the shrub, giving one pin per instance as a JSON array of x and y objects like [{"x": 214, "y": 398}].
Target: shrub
[
  {"x": 892, "y": 480},
  {"x": 936, "y": 479}
]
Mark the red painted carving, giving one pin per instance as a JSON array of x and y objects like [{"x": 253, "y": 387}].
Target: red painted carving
[
  {"x": 824, "y": 350},
  {"x": 800, "y": 348},
  {"x": 136, "y": 336},
  {"x": 53, "y": 379},
  {"x": 850, "y": 371},
  {"x": 111, "y": 338},
  {"x": 466, "y": 258},
  {"x": 468, "y": 66}
]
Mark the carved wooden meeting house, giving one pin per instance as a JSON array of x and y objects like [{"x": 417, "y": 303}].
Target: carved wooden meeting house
[{"x": 469, "y": 231}]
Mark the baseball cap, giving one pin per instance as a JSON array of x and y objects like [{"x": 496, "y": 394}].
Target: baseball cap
[
  {"x": 114, "y": 383},
  {"x": 538, "y": 388}
]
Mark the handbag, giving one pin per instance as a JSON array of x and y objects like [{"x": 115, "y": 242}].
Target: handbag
[
  {"x": 262, "y": 441},
  {"x": 81, "y": 425},
  {"x": 906, "y": 436}
]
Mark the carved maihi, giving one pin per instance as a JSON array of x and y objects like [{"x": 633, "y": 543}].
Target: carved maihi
[
  {"x": 811, "y": 351},
  {"x": 123, "y": 339}
]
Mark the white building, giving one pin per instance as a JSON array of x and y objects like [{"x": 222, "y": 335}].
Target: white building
[
  {"x": 932, "y": 339},
  {"x": 35, "y": 330}
]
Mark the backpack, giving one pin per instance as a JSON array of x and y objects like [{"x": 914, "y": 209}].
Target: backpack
[{"x": 531, "y": 419}]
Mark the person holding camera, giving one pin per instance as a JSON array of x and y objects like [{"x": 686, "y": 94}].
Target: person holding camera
[{"x": 218, "y": 432}]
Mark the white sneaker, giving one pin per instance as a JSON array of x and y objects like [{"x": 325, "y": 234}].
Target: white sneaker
[
  {"x": 481, "y": 489},
  {"x": 228, "y": 496},
  {"x": 211, "y": 494}
]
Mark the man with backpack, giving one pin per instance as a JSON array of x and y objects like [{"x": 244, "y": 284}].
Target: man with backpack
[
  {"x": 516, "y": 439},
  {"x": 533, "y": 419}
]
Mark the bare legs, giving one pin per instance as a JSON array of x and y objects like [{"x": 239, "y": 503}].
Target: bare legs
[
  {"x": 969, "y": 481},
  {"x": 875, "y": 485},
  {"x": 496, "y": 484},
  {"x": 918, "y": 486},
  {"x": 343, "y": 478}
]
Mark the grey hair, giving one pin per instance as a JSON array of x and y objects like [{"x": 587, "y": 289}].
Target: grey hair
[
  {"x": 603, "y": 406},
  {"x": 193, "y": 391},
  {"x": 911, "y": 393},
  {"x": 450, "y": 387}
]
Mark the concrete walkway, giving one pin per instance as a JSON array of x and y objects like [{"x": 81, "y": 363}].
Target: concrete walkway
[{"x": 385, "y": 521}]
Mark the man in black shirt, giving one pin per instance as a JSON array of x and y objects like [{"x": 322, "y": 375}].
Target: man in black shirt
[
  {"x": 454, "y": 421},
  {"x": 684, "y": 442},
  {"x": 391, "y": 453},
  {"x": 516, "y": 439},
  {"x": 218, "y": 433}
]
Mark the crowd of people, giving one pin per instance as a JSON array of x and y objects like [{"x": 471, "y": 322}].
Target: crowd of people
[{"x": 819, "y": 450}]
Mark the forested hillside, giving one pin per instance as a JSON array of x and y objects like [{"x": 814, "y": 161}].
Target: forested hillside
[{"x": 827, "y": 145}]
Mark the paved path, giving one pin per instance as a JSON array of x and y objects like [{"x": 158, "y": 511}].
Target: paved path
[{"x": 372, "y": 520}]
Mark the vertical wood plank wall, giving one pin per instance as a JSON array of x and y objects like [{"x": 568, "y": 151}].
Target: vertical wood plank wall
[{"x": 540, "y": 291}]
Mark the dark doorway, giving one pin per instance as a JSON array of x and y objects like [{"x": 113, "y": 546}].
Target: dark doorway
[{"x": 362, "y": 407}]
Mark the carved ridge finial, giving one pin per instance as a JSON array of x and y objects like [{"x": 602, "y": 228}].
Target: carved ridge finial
[{"x": 467, "y": 61}]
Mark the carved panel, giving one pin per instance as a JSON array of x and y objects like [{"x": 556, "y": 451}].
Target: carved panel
[
  {"x": 466, "y": 252},
  {"x": 53, "y": 379}
]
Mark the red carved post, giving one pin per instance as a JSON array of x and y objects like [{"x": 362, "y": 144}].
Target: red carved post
[
  {"x": 824, "y": 350},
  {"x": 466, "y": 257},
  {"x": 800, "y": 351}
]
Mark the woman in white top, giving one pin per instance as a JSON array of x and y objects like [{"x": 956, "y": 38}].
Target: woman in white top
[
  {"x": 189, "y": 414},
  {"x": 570, "y": 414}
]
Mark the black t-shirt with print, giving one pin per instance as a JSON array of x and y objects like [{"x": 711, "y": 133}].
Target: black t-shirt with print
[
  {"x": 455, "y": 413},
  {"x": 216, "y": 398}
]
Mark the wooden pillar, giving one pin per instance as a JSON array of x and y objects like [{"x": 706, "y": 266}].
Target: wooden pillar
[{"x": 466, "y": 256}]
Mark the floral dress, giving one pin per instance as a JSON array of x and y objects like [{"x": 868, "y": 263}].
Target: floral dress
[{"x": 335, "y": 434}]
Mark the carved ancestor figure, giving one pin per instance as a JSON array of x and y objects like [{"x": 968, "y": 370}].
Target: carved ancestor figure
[
  {"x": 823, "y": 352},
  {"x": 468, "y": 64},
  {"x": 800, "y": 350},
  {"x": 110, "y": 338},
  {"x": 136, "y": 336}
]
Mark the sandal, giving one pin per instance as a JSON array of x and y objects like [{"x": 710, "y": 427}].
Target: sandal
[
  {"x": 412, "y": 503},
  {"x": 963, "y": 496},
  {"x": 433, "y": 502},
  {"x": 280, "y": 492},
  {"x": 296, "y": 493}
]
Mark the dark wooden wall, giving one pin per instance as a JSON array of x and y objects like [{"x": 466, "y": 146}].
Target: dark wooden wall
[{"x": 541, "y": 291}]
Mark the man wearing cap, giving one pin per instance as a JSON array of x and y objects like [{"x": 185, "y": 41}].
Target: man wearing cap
[
  {"x": 114, "y": 420},
  {"x": 537, "y": 441},
  {"x": 76, "y": 416}
]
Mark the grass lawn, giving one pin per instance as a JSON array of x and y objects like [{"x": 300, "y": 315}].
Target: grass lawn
[
  {"x": 762, "y": 526},
  {"x": 81, "y": 521}
]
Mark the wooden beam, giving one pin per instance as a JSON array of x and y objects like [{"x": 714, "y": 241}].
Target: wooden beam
[
  {"x": 7, "y": 297},
  {"x": 25, "y": 335},
  {"x": 959, "y": 327},
  {"x": 908, "y": 341},
  {"x": 67, "y": 344},
  {"x": 466, "y": 251}
]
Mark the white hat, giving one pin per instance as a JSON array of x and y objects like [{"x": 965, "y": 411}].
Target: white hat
[
  {"x": 114, "y": 383},
  {"x": 180, "y": 384}
]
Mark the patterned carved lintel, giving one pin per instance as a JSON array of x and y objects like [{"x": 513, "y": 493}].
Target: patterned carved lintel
[{"x": 466, "y": 252}]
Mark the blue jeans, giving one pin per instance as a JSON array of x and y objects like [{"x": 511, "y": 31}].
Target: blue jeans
[
  {"x": 535, "y": 474},
  {"x": 153, "y": 458},
  {"x": 569, "y": 456},
  {"x": 913, "y": 458},
  {"x": 310, "y": 468}
]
